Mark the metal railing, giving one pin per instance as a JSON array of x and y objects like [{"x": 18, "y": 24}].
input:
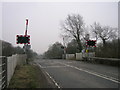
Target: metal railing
[
  {"x": 107, "y": 59},
  {"x": 3, "y": 72},
  {"x": 7, "y": 68}
]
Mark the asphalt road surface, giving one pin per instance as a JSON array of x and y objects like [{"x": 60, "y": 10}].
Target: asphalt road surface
[{"x": 79, "y": 74}]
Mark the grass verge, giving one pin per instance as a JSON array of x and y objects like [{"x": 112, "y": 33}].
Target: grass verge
[{"x": 27, "y": 76}]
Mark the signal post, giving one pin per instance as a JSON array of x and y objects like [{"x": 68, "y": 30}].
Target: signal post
[{"x": 25, "y": 39}]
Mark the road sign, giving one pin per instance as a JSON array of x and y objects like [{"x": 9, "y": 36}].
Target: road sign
[{"x": 23, "y": 39}]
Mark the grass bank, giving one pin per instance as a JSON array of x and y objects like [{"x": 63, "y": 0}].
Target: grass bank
[{"x": 28, "y": 76}]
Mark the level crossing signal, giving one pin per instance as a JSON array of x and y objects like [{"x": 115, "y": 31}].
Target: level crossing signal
[
  {"x": 91, "y": 43},
  {"x": 23, "y": 39}
]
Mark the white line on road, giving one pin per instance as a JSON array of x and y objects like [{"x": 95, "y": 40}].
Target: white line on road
[
  {"x": 52, "y": 79},
  {"x": 54, "y": 66},
  {"x": 40, "y": 65},
  {"x": 94, "y": 73},
  {"x": 50, "y": 76}
]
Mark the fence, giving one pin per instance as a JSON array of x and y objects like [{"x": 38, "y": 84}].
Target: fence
[
  {"x": 70, "y": 56},
  {"x": 79, "y": 56},
  {"x": 87, "y": 55},
  {"x": 111, "y": 61},
  {"x": 91, "y": 57},
  {"x": 3, "y": 72},
  {"x": 7, "y": 67}
]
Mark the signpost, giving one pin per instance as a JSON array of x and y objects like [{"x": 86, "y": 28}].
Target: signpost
[{"x": 89, "y": 47}]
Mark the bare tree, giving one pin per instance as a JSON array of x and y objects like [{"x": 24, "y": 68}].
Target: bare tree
[
  {"x": 103, "y": 32},
  {"x": 73, "y": 27}
]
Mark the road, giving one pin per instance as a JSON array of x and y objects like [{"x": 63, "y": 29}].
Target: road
[{"x": 79, "y": 74}]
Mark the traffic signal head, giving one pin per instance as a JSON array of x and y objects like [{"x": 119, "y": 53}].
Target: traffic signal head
[
  {"x": 91, "y": 43},
  {"x": 23, "y": 39}
]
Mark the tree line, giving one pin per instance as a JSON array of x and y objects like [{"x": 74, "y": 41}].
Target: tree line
[
  {"x": 7, "y": 49},
  {"x": 75, "y": 33}
]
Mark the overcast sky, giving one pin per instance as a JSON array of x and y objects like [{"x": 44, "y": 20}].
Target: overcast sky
[{"x": 45, "y": 17}]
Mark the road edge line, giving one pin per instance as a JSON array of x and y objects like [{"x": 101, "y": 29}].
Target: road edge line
[
  {"x": 50, "y": 77},
  {"x": 53, "y": 80}
]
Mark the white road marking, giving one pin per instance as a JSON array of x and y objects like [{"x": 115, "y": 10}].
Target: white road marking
[
  {"x": 50, "y": 76},
  {"x": 80, "y": 69},
  {"x": 52, "y": 80},
  {"x": 69, "y": 62},
  {"x": 40, "y": 65},
  {"x": 54, "y": 66},
  {"x": 94, "y": 73}
]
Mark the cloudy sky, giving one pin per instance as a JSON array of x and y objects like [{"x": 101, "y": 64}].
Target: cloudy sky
[{"x": 45, "y": 17}]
